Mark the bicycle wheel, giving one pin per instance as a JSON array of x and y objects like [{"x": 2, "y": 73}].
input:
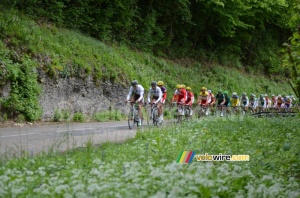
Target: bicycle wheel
[
  {"x": 176, "y": 116},
  {"x": 131, "y": 120},
  {"x": 155, "y": 117},
  {"x": 149, "y": 117},
  {"x": 187, "y": 114},
  {"x": 200, "y": 113}
]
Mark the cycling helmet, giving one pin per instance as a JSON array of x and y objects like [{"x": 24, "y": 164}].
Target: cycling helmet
[
  {"x": 287, "y": 97},
  {"x": 188, "y": 88},
  {"x": 261, "y": 95},
  {"x": 279, "y": 96},
  {"x": 178, "y": 86},
  {"x": 154, "y": 83},
  {"x": 220, "y": 91},
  {"x": 203, "y": 89},
  {"x": 243, "y": 94},
  {"x": 182, "y": 86},
  {"x": 273, "y": 95},
  {"x": 234, "y": 93},
  {"x": 160, "y": 83},
  {"x": 266, "y": 95},
  {"x": 209, "y": 91},
  {"x": 252, "y": 95},
  {"x": 225, "y": 92},
  {"x": 134, "y": 83}
]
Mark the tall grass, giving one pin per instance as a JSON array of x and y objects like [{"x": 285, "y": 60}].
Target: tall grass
[{"x": 146, "y": 165}]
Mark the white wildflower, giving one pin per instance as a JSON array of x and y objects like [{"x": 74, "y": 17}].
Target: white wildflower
[
  {"x": 61, "y": 189},
  {"x": 16, "y": 190}
]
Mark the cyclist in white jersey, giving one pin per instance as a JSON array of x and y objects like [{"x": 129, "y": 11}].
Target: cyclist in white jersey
[
  {"x": 156, "y": 94},
  {"x": 136, "y": 94}
]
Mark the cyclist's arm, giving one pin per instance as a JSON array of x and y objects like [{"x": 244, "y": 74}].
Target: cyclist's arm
[
  {"x": 129, "y": 94},
  {"x": 148, "y": 97}
]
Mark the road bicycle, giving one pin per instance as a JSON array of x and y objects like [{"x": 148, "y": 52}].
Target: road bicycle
[
  {"x": 153, "y": 115},
  {"x": 178, "y": 113},
  {"x": 133, "y": 116},
  {"x": 188, "y": 112},
  {"x": 202, "y": 111}
]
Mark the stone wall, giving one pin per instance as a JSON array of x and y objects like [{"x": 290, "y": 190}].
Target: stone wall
[{"x": 78, "y": 95}]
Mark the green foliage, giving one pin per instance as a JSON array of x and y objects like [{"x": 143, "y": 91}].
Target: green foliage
[
  {"x": 61, "y": 115},
  {"x": 291, "y": 52},
  {"x": 79, "y": 117},
  {"x": 177, "y": 28},
  {"x": 145, "y": 166},
  {"x": 109, "y": 115}
]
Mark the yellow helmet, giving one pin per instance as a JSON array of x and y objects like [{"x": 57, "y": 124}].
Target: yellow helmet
[
  {"x": 160, "y": 83},
  {"x": 182, "y": 86},
  {"x": 203, "y": 89},
  {"x": 188, "y": 88},
  {"x": 178, "y": 86}
]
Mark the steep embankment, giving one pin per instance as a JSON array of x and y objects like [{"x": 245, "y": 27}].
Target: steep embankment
[{"x": 44, "y": 68}]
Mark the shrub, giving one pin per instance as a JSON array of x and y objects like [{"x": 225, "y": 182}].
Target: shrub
[{"x": 78, "y": 117}]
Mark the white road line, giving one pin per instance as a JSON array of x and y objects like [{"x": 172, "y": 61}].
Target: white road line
[
  {"x": 61, "y": 131},
  {"x": 18, "y": 135}
]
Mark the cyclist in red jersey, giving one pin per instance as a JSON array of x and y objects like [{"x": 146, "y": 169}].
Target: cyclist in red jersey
[
  {"x": 190, "y": 99},
  {"x": 182, "y": 96}
]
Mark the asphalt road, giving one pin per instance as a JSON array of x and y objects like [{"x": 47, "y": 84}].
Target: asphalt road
[{"x": 31, "y": 141}]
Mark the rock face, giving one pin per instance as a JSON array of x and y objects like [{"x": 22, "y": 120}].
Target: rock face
[{"x": 78, "y": 95}]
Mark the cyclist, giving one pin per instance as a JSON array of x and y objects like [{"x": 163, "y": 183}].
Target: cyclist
[
  {"x": 212, "y": 99},
  {"x": 136, "y": 95},
  {"x": 280, "y": 102},
  {"x": 288, "y": 103},
  {"x": 235, "y": 102},
  {"x": 180, "y": 96},
  {"x": 160, "y": 84},
  {"x": 268, "y": 101},
  {"x": 204, "y": 98},
  {"x": 273, "y": 101},
  {"x": 261, "y": 103},
  {"x": 156, "y": 94},
  {"x": 220, "y": 98},
  {"x": 252, "y": 102},
  {"x": 227, "y": 100},
  {"x": 176, "y": 94},
  {"x": 190, "y": 99},
  {"x": 244, "y": 101}
]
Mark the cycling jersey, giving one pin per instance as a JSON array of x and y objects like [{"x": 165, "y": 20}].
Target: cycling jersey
[
  {"x": 244, "y": 101},
  {"x": 235, "y": 101},
  {"x": 204, "y": 98},
  {"x": 156, "y": 93},
  {"x": 137, "y": 92},
  {"x": 261, "y": 102},
  {"x": 273, "y": 102},
  {"x": 227, "y": 100},
  {"x": 182, "y": 96},
  {"x": 288, "y": 103},
  {"x": 212, "y": 98},
  {"x": 268, "y": 102},
  {"x": 253, "y": 102},
  {"x": 220, "y": 98},
  {"x": 190, "y": 98},
  {"x": 164, "y": 92},
  {"x": 279, "y": 101}
]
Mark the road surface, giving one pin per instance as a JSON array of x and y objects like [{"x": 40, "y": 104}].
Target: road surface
[{"x": 18, "y": 141}]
